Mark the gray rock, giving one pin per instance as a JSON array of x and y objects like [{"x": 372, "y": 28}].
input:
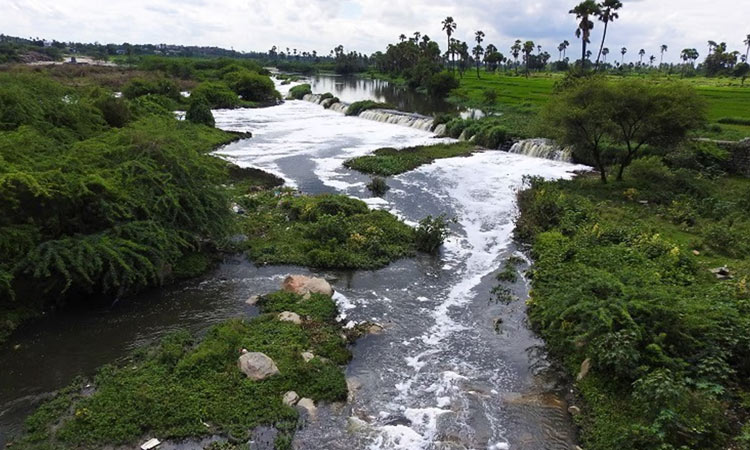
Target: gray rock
[
  {"x": 252, "y": 300},
  {"x": 290, "y": 398},
  {"x": 308, "y": 356},
  {"x": 288, "y": 316},
  {"x": 309, "y": 406},
  {"x": 257, "y": 366}
]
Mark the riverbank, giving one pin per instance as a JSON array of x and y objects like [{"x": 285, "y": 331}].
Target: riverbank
[
  {"x": 188, "y": 389},
  {"x": 639, "y": 288}
]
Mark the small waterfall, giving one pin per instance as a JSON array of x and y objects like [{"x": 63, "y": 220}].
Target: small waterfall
[
  {"x": 440, "y": 129},
  {"x": 417, "y": 121},
  {"x": 542, "y": 148}
]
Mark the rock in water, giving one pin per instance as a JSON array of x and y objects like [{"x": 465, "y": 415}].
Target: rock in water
[
  {"x": 257, "y": 366},
  {"x": 302, "y": 285},
  {"x": 288, "y": 316}
]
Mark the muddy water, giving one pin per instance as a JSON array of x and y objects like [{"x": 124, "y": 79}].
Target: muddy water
[{"x": 440, "y": 376}]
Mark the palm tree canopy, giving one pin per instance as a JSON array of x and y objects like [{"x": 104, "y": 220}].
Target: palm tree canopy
[
  {"x": 608, "y": 10},
  {"x": 583, "y": 11}
]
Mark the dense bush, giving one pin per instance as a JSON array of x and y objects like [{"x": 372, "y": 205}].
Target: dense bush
[
  {"x": 391, "y": 161},
  {"x": 253, "y": 87},
  {"x": 441, "y": 83},
  {"x": 358, "y": 108},
  {"x": 431, "y": 233},
  {"x": 378, "y": 186},
  {"x": 200, "y": 112},
  {"x": 139, "y": 87},
  {"x": 299, "y": 92},
  {"x": 217, "y": 94},
  {"x": 616, "y": 281}
]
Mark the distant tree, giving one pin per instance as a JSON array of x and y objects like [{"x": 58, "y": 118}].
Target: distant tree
[
  {"x": 641, "y": 53},
  {"x": 742, "y": 71},
  {"x": 664, "y": 49},
  {"x": 515, "y": 50},
  {"x": 651, "y": 60},
  {"x": 478, "y": 50},
  {"x": 560, "y": 49},
  {"x": 607, "y": 13},
  {"x": 622, "y": 52},
  {"x": 605, "y": 52},
  {"x": 449, "y": 26},
  {"x": 565, "y": 44},
  {"x": 583, "y": 11},
  {"x": 528, "y": 47},
  {"x": 747, "y": 43}
]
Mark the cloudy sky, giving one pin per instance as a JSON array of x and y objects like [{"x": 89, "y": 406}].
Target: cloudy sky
[{"x": 368, "y": 25}]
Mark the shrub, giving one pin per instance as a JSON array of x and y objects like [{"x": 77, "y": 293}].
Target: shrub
[
  {"x": 440, "y": 84},
  {"x": 116, "y": 111},
  {"x": 735, "y": 121},
  {"x": 299, "y": 92},
  {"x": 431, "y": 233},
  {"x": 139, "y": 87},
  {"x": 455, "y": 127},
  {"x": 378, "y": 186},
  {"x": 489, "y": 95},
  {"x": 358, "y": 108},
  {"x": 217, "y": 94},
  {"x": 253, "y": 87},
  {"x": 200, "y": 112}
]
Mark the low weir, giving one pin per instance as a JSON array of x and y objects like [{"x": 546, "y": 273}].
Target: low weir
[{"x": 538, "y": 147}]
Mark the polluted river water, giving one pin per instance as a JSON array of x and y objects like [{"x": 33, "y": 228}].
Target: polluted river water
[{"x": 451, "y": 369}]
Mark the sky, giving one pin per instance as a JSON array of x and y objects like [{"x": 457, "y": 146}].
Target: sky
[{"x": 369, "y": 25}]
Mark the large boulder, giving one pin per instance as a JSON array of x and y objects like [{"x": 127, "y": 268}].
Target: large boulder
[
  {"x": 257, "y": 366},
  {"x": 302, "y": 285}
]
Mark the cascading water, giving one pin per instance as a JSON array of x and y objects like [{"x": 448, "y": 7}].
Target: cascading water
[{"x": 542, "y": 148}]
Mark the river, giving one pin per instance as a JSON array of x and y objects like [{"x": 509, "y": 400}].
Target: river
[{"x": 440, "y": 376}]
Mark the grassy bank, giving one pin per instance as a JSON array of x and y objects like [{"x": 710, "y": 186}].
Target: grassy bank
[
  {"x": 326, "y": 231},
  {"x": 390, "y": 161},
  {"x": 520, "y": 99},
  {"x": 623, "y": 280},
  {"x": 189, "y": 388}
]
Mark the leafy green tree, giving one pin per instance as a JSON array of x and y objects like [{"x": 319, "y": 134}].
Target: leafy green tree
[
  {"x": 515, "y": 50},
  {"x": 583, "y": 12},
  {"x": 645, "y": 114},
  {"x": 607, "y": 13},
  {"x": 528, "y": 47}
]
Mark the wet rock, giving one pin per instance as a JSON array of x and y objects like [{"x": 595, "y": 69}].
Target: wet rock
[
  {"x": 585, "y": 367},
  {"x": 356, "y": 425},
  {"x": 722, "y": 273},
  {"x": 302, "y": 285},
  {"x": 288, "y": 316},
  {"x": 574, "y": 410},
  {"x": 308, "y": 356},
  {"x": 309, "y": 406},
  {"x": 253, "y": 300},
  {"x": 353, "y": 385},
  {"x": 290, "y": 398},
  {"x": 374, "y": 328},
  {"x": 257, "y": 366},
  {"x": 398, "y": 420}
]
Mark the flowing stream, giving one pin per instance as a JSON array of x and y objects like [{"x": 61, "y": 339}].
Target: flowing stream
[{"x": 445, "y": 373}]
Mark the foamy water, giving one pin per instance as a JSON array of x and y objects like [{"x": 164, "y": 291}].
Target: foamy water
[{"x": 435, "y": 367}]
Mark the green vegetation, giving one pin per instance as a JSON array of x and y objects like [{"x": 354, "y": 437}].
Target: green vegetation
[
  {"x": 199, "y": 112},
  {"x": 390, "y": 161},
  {"x": 358, "y": 108},
  {"x": 431, "y": 233},
  {"x": 326, "y": 231},
  {"x": 299, "y": 92},
  {"x": 378, "y": 186},
  {"x": 102, "y": 196},
  {"x": 182, "y": 388},
  {"x": 622, "y": 277}
]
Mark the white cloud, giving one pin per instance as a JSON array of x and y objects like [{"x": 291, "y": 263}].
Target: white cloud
[{"x": 369, "y": 25}]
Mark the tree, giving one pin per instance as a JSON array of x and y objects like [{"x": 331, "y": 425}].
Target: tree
[
  {"x": 478, "y": 50},
  {"x": 622, "y": 52},
  {"x": 449, "y": 26},
  {"x": 579, "y": 116},
  {"x": 747, "y": 43},
  {"x": 515, "y": 50},
  {"x": 641, "y": 53},
  {"x": 664, "y": 49},
  {"x": 742, "y": 71},
  {"x": 528, "y": 47},
  {"x": 651, "y": 60},
  {"x": 607, "y": 13},
  {"x": 565, "y": 44},
  {"x": 605, "y": 52},
  {"x": 645, "y": 113},
  {"x": 583, "y": 11},
  {"x": 200, "y": 112}
]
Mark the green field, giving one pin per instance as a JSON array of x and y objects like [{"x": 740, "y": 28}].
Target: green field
[{"x": 725, "y": 97}]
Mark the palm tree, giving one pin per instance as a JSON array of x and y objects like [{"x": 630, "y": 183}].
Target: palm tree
[
  {"x": 641, "y": 53},
  {"x": 605, "y": 52},
  {"x": 747, "y": 42},
  {"x": 711, "y": 46},
  {"x": 583, "y": 11},
  {"x": 417, "y": 35},
  {"x": 560, "y": 49},
  {"x": 515, "y": 50},
  {"x": 664, "y": 49},
  {"x": 651, "y": 60},
  {"x": 623, "y": 51},
  {"x": 608, "y": 13},
  {"x": 449, "y": 26},
  {"x": 402, "y": 38},
  {"x": 528, "y": 47},
  {"x": 565, "y": 44},
  {"x": 478, "y": 50}
]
